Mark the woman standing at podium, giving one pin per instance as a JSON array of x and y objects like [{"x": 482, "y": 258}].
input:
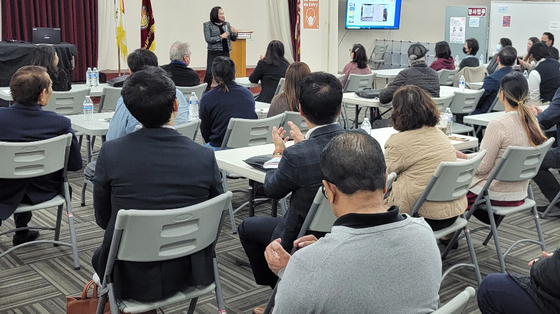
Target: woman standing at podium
[
  {"x": 46, "y": 56},
  {"x": 218, "y": 34}
]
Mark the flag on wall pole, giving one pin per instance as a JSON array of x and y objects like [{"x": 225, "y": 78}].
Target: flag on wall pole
[
  {"x": 147, "y": 26},
  {"x": 120, "y": 32}
]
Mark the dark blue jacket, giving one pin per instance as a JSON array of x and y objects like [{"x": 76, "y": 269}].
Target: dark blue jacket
[
  {"x": 299, "y": 172},
  {"x": 20, "y": 123},
  {"x": 551, "y": 116},
  {"x": 491, "y": 87}
]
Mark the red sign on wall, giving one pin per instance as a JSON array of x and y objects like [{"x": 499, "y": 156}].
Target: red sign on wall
[{"x": 476, "y": 12}]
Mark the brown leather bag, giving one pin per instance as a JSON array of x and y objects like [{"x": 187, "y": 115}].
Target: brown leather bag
[{"x": 84, "y": 305}]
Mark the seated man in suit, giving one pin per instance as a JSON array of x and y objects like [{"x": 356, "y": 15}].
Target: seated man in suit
[
  {"x": 506, "y": 59},
  {"x": 146, "y": 169},
  {"x": 297, "y": 171},
  {"x": 181, "y": 74},
  {"x": 343, "y": 272},
  {"x": 26, "y": 121}
]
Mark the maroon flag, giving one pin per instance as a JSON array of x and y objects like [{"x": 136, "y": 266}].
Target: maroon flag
[{"x": 147, "y": 26}]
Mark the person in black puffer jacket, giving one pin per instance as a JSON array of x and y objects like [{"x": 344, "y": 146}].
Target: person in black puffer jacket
[
  {"x": 512, "y": 293},
  {"x": 418, "y": 74}
]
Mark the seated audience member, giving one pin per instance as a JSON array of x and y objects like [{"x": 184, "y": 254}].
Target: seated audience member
[
  {"x": 546, "y": 181},
  {"x": 526, "y": 63},
  {"x": 147, "y": 170},
  {"x": 228, "y": 100},
  {"x": 298, "y": 171},
  {"x": 516, "y": 294},
  {"x": 493, "y": 64},
  {"x": 506, "y": 59},
  {"x": 544, "y": 80},
  {"x": 46, "y": 56},
  {"x": 553, "y": 52},
  {"x": 288, "y": 100},
  {"x": 470, "y": 49},
  {"x": 444, "y": 59},
  {"x": 414, "y": 154},
  {"x": 269, "y": 70},
  {"x": 418, "y": 74},
  {"x": 518, "y": 127},
  {"x": 548, "y": 39},
  {"x": 358, "y": 65},
  {"x": 181, "y": 74},
  {"x": 340, "y": 273},
  {"x": 26, "y": 121}
]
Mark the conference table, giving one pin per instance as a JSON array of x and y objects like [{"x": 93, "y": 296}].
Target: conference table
[
  {"x": 386, "y": 74},
  {"x": 96, "y": 91},
  {"x": 244, "y": 81},
  {"x": 97, "y": 127},
  {"x": 484, "y": 119}
]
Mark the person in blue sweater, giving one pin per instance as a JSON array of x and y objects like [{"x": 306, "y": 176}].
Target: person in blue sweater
[{"x": 228, "y": 100}]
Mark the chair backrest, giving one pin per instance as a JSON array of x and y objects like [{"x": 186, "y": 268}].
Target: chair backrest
[
  {"x": 521, "y": 163},
  {"x": 497, "y": 105},
  {"x": 358, "y": 81},
  {"x": 465, "y": 102},
  {"x": 109, "y": 98},
  {"x": 446, "y": 76},
  {"x": 458, "y": 304},
  {"x": 250, "y": 132},
  {"x": 159, "y": 235},
  {"x": 189, "y": 129},
  {"x": 471, "y": 74},
  {"x": 450, "y": 181},
  {"x": 280, "y": 86},
  {"x": 443, "y": 102},
  {"x": 67, "y": 103},
  {"x": 320, "y": 217},
  {"x": 297, "y": 119},
  {"x": 198, "y": 90},
  {"x": 20, "y": 160},
  {"x": 390, "y": 179}
]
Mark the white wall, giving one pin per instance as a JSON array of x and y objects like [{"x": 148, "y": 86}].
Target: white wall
[
  {"x": 182, "y": 20},
  {"x": 319, "y": 46}
]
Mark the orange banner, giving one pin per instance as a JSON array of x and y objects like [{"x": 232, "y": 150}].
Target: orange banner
[{"x": 310, "y": 14}]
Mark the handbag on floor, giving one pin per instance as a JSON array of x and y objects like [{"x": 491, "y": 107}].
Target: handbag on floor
[{"x": 84, "y": 305}]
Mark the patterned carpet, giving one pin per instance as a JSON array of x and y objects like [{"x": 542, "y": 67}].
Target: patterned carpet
[{"x": 37, "y": 278}]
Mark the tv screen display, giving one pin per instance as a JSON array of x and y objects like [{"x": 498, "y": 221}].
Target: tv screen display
[{"x": 373, "y": 14}]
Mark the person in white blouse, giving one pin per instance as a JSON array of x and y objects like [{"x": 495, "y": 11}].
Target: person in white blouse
[{"x": 544, "y": 80}]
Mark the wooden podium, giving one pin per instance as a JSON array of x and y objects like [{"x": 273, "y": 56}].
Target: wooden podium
[{"x": 238, "y": 52}]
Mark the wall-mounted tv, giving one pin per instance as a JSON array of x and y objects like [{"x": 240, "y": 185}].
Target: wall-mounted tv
[{"x": 373, "y": 14}]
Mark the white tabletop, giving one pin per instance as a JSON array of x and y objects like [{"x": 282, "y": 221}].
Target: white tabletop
[
  {"x": 483, "y": 119},
  {"x": 261, "y": 108},
  {"x": 387, "y": 73},
  {"x": 244, "y": 81},
  {"x": 231, "y": 160},
  {"x": 353, "y": 99},
  {"x": 5, "y": 93},
  {"x": 97, "y": 127},
  {"x": 450, "y": 90}
]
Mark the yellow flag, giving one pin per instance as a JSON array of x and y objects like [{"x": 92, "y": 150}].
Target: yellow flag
[{"x": 121, "y": 33}]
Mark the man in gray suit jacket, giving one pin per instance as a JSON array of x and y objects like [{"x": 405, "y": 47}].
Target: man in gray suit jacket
[
  {"x": 298, "y": 171},
  {"x": 153, "y": 168}
]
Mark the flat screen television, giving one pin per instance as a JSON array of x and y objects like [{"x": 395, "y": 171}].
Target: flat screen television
[{"x": 373, "y": 14}]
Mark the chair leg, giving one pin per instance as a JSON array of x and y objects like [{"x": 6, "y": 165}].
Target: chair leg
[
  {"x": 70, "y": 216},
  {"x": 252, "y": 192},
  {"x": 536, "y": 217},
  {"x": 192, "y": 306},
  {"x": 551, "y": 205},
  {"x": 219, "y": 293},
  {"x": 495, "y": 234},
  {"x": 58, "y": 222},
  {"x": 488, "y": 237},
  {"x": 473, "y": 255},
  {"x": 84, "y": 187},
  {"x": 230, "y": 206},
  {"x": 454, "y": 239},
  {"x": 270, "y": 303},
  {"x": 101, "y": 303},
  {"x": 112, "y": 299}
]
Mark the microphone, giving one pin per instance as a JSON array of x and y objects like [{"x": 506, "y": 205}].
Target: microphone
[{"x": 226, "y": 27}]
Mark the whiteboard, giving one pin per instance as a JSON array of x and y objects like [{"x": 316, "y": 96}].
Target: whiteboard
[{"x": 526, "y": 19}]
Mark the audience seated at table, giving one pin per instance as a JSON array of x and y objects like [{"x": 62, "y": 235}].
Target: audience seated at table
[
  {"x": 26, "y": 121},
  {"x": 506, "y": 59},
  {"x": 228, "y": 100},
  {"x": 414, "y": 154},
  {"x": 178, "y": 68},
  {"x": 444, "y": 59},
  {"x": 294, "y": 169},
  {"x": 288, "y": 100},
  {"x": 153, "y": 168},
  {"x": 548, "y": 39},
  {"x": 516, "y": 294},
  {"x": 269, "y": 70},
  {"x": 374, "y": 260},
  {"x": 544, "y": 79},
  {"x": 493, "y": 64},
  {"x": 470, "y": 49},
  {"x": 517, "y": 127},
  {"x": 418, "y": 74},
  {"x": 358, "y": 64},
  {"x": 46, "y": 56},
  {"x": 526, "y": 63}
]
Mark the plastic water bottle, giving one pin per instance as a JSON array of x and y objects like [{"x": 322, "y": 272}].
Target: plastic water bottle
[
  {"x": 193, "y": 107},
  {"x": 526, "y": 74},
  {"x": 457, "y": 61},
  {"x": 95, "y": 82},
  {"x": 449, "y": 116},
  {"x": 462, "y": 83},
  {"x": 89, "y": 77},
  {"x": 366, "y": 126},
  {"x": 88, "y": 110},
  {"x": 481, "y": 59}
]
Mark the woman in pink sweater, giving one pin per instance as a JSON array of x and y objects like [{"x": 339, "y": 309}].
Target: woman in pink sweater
[
  {"x": 444, "y": 59},
  {"x": 358, "y": 65},
  {"x": 517, "y": 127}
]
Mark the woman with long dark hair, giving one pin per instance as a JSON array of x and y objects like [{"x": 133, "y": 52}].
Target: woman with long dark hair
[
  {"x": 218, "y": 34},
  {"x": 47, "y": 57},
  {"x": 270, "y": 69},
  {"x": 358, "y": 65},
  {"x": 288, "y": 100},
  {"x": 444, "y": 58}
]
